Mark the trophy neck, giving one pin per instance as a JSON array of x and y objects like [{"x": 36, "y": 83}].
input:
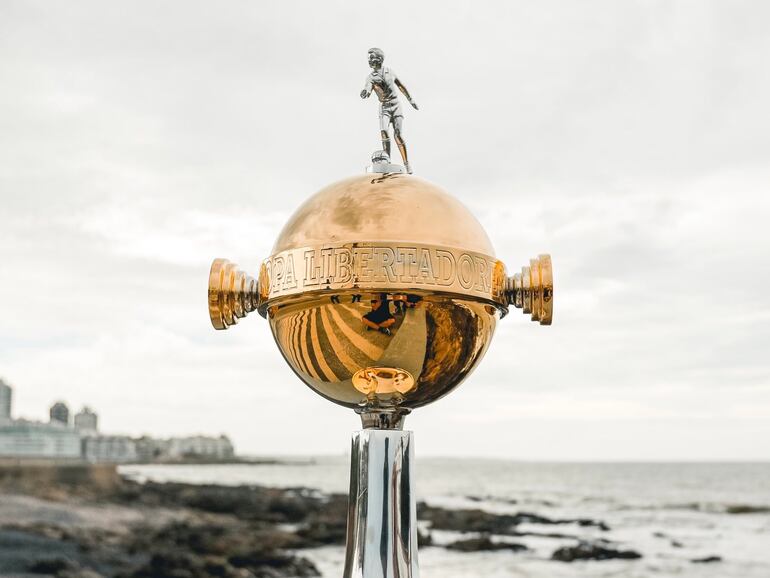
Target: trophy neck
[
  {"x": 375, "y": 419},
  {"x": 382, "y": 521}
]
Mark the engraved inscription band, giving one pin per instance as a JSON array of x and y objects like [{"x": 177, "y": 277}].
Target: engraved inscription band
[{"x": 382, "y": 267}]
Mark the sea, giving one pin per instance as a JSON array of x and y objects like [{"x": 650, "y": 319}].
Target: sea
[{"x": 673, "y": 514}]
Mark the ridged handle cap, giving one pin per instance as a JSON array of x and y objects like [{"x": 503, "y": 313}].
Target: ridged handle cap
[
  {"x": 531, "y": 290},
  {"x": 232, "y": 294}
]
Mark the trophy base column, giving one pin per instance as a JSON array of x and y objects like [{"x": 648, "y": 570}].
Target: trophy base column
[{"x": 382, "y": 521}]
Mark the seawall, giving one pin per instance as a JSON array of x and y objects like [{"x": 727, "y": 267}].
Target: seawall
[{"x": 44, "y": 477}]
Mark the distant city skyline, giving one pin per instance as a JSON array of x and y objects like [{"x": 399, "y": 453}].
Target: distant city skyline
[
  {"x": 59, "y": 411},
  {"x": 628, "y": 140},
  {"x": 77, "y": 438}
]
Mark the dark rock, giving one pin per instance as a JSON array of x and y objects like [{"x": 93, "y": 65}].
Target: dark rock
[
  {"x": 706, "y": 560},
  {"x": 327, "y": 525},
  {"x": 585, "y": 522},
  {"x": 54, "y": 566},
  {"x": 41, "y": 547},
  {"x": 179, "y": 564},
  {"x": 244, "y": 502},
  {"x": 746, "y": 509},
  {"x": 227, "y": 548},
  {"x": 555, "y": 535},
  {"x": 486, "y": 523},
  {"x": 592, "y": 551},
  {"x": 483, "y": 544},
  {"x": 218, "y": 539},
  {"x": 322, "y": 532},
  {"x": 465, "y": 520},
  {"x": 20, "y": 549},
  {"x": 275, "y": 564},
  {"x": 173, "y": 564},
  {"x": 81, "y": 573}
]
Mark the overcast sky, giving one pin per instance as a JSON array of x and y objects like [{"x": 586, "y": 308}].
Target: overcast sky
[{"x": 631, "y": 140}]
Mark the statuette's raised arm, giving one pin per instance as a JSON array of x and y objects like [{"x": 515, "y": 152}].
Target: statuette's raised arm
[
  {"x": 367, "y": 87},
  {"x": 403, "y": 89}
]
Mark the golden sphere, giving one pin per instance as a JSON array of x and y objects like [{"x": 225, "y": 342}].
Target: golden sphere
[
  {"x": 390, "y": 208},
  {"x": 382, "y": 293}
]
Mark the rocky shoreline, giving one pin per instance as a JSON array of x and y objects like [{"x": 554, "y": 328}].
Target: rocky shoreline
[{"x": 130, "y": 530}]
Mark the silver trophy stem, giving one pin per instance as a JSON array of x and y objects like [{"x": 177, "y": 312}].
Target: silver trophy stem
[{"x": 382, "y": 522}]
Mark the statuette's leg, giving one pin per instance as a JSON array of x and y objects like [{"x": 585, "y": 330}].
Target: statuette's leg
[
  {"x": 398, "y": 135},
  {"x": 385, "y": 141},
  {"x": 382, "y": 527}
]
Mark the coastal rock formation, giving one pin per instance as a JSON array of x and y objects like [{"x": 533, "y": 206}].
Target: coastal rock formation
[
  {"x": 488, "y": 523},
  {"x": 484, "y": 544},
  {"x": 182, "y": 564},
  {"x": 706, "y": 560},
  {"x": 747, "y": 509},
  {"x": 592, "y": 551},
  {"x": 125, "y": 529}
]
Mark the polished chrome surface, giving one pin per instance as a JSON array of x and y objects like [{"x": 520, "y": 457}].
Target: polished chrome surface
[
  {"x": 382, "y": 420},
  {"x": 384, "y": 83},
  {"x": 382, "y": 528},
  {"x": 381, "y": 164}
]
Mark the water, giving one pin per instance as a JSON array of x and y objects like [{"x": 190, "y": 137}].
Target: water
[{"x": 670, "y": 513}]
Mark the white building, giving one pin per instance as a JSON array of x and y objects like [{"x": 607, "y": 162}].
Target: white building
[
  {"x": 122, "y": 449},
  {"x": 114, "y": 449},
  {"x": 29, "y": 439},
  {"x": 152, "y": 449},
  {"x": 201, "y": 446},
  {"x": 60, "y": 413},
  {"x": 58, "y": 439},
  {"x": 86, "y": 422},
  {"x": 6, "y": 397},
  {"x": 33, "y": 439}
]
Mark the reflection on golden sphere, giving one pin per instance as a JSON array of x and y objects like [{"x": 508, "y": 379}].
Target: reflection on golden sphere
[
  {"x": 382, "y": 293},
  {"x": 391, "y": 208}
]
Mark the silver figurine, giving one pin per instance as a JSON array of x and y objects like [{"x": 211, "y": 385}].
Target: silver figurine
[{"x": 384, "y": 82}]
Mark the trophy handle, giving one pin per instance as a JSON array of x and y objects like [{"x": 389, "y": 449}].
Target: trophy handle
[
  {"x": 532, "y": 289},
  {"x": 232, "y": 294}
]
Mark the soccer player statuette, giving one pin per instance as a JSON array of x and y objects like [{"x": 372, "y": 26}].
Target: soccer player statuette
[
  {"x": 384, "y": 83},
  {"x": 382, "y": 293}
]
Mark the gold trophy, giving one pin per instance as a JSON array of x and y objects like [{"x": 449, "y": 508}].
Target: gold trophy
[{"x": 382, "y": 293}]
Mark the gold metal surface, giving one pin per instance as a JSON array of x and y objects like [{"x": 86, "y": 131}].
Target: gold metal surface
[
  {"x": 382, "y": 293},
  {"x": 532, "y": 290},
  {"x": 383, "y": 266},
  {"x": 232, "y": 294},
  {"x": 391, "y": 208},
  {"x": 433, "y": 341},
  {"x": 374, "y": 381}
]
